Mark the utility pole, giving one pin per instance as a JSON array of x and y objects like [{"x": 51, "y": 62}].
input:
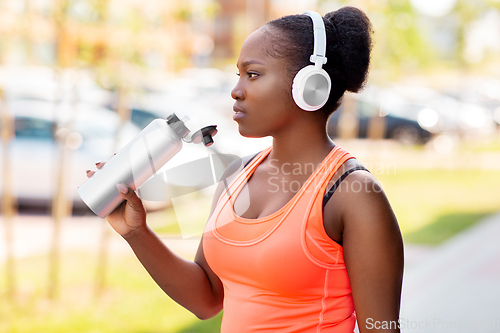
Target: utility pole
[{"x": 60, "y": 205}]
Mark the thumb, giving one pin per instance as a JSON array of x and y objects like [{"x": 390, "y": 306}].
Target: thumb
[{"x": 128, "y": 194}]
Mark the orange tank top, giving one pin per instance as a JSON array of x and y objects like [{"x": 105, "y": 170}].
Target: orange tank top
[{"x": 281, "y": 273}]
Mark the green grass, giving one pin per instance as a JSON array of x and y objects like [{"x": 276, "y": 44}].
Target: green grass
[
  {"x": 433, "y": 205},
  {"x": 443, "y": 228},
  {"x": 491, "y": 146},
  {"x": 131, "y": 301}
]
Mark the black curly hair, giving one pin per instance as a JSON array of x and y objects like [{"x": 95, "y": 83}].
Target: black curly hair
[{"x": 348, "y": 48}]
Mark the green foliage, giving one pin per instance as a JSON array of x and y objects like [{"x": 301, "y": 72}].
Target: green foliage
[
  {"x": 403, "y": 48},
  {"x": 406, "y": 43}
]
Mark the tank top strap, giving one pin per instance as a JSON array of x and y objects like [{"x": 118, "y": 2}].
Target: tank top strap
[
  {"x": 330, "y": 165},
  {"x": 317, "y": 245},
  {"x": 245, "y": 174}
]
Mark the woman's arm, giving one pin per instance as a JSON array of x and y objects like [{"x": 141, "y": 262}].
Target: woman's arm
[
  {"x": 373, "y": 252},
  {"x": 191, "y": 284},
  {"x": 186, "y": 282}
]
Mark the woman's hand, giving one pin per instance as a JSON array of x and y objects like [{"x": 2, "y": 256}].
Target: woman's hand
[
  {"x": 191, "y": 284},
  {"x": 130, "y": 217}
]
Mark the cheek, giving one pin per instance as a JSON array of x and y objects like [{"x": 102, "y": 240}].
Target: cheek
[
  {"x": 285, "y": 86},
  {"x": 277, "y": 91}
]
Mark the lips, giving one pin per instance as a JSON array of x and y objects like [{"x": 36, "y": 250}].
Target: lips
[
  {"x": 237, "y": 109},
  {"x": 238, "y": 113}
]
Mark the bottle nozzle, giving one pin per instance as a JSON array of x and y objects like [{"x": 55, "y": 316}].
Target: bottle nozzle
[
  {"x": 207, "y": 140},
  {"x": 205, "y": 135}
]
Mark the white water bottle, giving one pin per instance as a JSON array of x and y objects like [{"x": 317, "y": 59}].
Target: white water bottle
[{"x": 136, "y": 162}]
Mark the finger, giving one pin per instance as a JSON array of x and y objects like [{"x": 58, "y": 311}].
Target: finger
[
  {"x": 128, "y": 194},
  {"x": 90, "y": 173},
  {"x": 100, "y": 164}
]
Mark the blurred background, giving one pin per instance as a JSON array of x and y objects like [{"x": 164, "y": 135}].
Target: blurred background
[{"x": 80, "y": 78}]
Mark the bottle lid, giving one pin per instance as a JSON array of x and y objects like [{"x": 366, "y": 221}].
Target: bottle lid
[
  {"x": 177, "y": 125},
  {"x": 205, "y": 135}
]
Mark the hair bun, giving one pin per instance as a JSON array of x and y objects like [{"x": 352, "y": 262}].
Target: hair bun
[{"x": 352, "y": 43}]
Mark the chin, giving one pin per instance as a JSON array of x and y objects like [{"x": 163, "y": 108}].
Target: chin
[{"x": 248, "y": 133}]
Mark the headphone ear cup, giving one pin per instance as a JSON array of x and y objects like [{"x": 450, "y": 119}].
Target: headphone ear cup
[{"x": 311, "y": 88}]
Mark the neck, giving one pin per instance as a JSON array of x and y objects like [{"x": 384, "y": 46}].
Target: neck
[{"x": 303, "y": 141}]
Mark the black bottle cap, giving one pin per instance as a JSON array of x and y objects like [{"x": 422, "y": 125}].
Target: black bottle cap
[{"x": 205, "y": 135}]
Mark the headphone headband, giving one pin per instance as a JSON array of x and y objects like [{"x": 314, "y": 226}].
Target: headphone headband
[{"x": 319, "y": 54}]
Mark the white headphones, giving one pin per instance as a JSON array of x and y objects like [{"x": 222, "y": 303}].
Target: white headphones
[{"x": 311, "y": 85}]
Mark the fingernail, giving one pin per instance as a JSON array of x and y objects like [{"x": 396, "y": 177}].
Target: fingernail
[
  {"x": 122, "y": 188},
  {"x": 98, "y": 163},
  {"x": 87, "y": 171}
]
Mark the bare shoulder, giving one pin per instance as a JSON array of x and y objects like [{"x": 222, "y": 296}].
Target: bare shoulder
[
  {"x": 358, "y": 196},
  {"x": 372, "y": 247},
  {"x": 357, "y": 188},
  {"x": 361, "y": 184},
  {"x": 370, "y": 230},
  {"x": 358, "y": 193}
]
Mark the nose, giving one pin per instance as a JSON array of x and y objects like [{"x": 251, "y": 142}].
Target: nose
[{"x": 238, "y": 93}]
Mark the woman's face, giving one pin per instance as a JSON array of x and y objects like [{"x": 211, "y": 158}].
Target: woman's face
[{"x": 264, "y": 104}]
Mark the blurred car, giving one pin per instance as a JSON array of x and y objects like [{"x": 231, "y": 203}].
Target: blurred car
[
  {"x": 35, "y": 155},
  {"x": 407, "y": 131},
  {"x": 437, "y": 112}
]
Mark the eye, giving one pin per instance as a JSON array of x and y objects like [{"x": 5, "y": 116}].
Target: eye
[{"x": 250, "y": 75}]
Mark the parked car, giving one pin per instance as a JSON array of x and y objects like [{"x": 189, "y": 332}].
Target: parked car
[
  {"x": 404, "y": 130},
  {"x": 35, "y": 156},
  {"x": 438, "y": 112}
]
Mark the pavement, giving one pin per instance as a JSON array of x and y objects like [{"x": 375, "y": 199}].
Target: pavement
[
  {"x": 33, "y": 235},
  {"x": 454, "y": 287}
]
